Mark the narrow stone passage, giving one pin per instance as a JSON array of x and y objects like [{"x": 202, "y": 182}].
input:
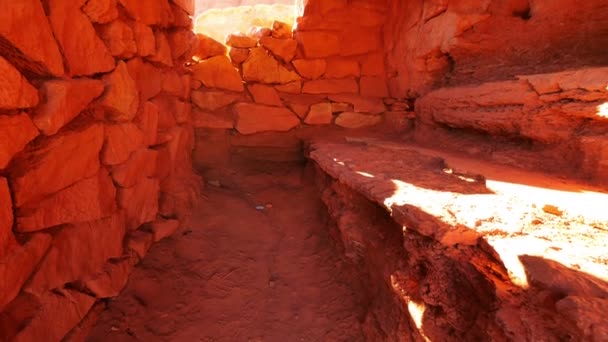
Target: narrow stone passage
[{"x": 238, "y": 273}]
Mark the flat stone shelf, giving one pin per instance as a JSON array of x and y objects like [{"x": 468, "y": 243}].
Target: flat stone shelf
[{"x": 460, "y": 201}]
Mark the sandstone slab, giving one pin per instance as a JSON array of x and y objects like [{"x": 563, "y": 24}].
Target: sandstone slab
[
  {"x": 15, "y": 90},
  {"x": 16, "y": 131},
  {"x": 290, "y": 88},
  {"x": 121, "y": 96},
  {"x": 310, "y": 68},
  {"x": 110, "y": 281},
  {"x": 281, "y": 30},
  {"x": 201, "y": 119},
  {"x": 78, "y": 251},
  {"x": 25, "y": 25},
  {"x": 218, "y": 72},
  {"x": 140, "y": 202},
  {"x": 88, "y": 200},
  {"x": 261, "y": 67},
  {"x": 141, "y": 164},
  {"x": 85, "y": 52},
  {"x": 6, "y": 214},
  {"x": 17, "y": 267},
  {"x": 361, "y": 104},
  {"x": 373, "y": 86},
  {"x": 120, "y": 141},
  {"x": 162, "y": 53},
  {"x": 64, "y": 100},
  {"x": 101, "y": 11},
  {"x": 65, "y": 310},
  {"x": 145, "y": 41},
  {"x": 207, "y": 47},
  {"x": 331, "y": 86},
  {"x": 284, "y": 49},
  {"x": 147, "y": 122},
  {"x": 149, "y": 12},
  {"x": 240, "y": 40},
  {"x": 119, "y": 38},
  {"x": 357, "y": 120},
  {"x": 253, "y": 118},
  {"x": 342, "y": 67},
  {"x": 319, "y": 114},
  {"x": 318, "y": 44},
  {"x": 264, "y": 94},
  {"x": 214, "y": 100},
  {"x": 51, "y": 166},
  {"x": 148, "y": 78},
  {"x": 238, "y": 55}
]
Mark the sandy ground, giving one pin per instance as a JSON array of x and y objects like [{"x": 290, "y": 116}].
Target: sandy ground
[{"x": 237, "y": 273}]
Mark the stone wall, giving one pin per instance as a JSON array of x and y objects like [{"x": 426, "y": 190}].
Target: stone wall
[
  {"x": 329, "y": 72},
  {"x": 434, "y": 43},
  {"x": 95, "y": 152}
]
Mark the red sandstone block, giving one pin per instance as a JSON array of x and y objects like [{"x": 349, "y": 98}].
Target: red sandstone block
[
  {"x": 253, "y": 118},
  {"x": 148, "y": 78},
  {"x": 262, "y": 67},
  {"x": 141, "y": 164},
  {"x": 6, "y": 215},
  {"x": 319, "y": 44},
  {"x": 120, "y": 141},
  {"x": 121, "y": 96},
  {"x": 140, "y": 202},
  {"x": 340, "y": 67},
  {"x": 16, "y": 131},
  {"x": 264, "y": 94},
  {"x": 334, "y": 86},
  {"x": 310, "y": 68},
  {"x": 373, "y": 86},
  {"x": 218, "y": 72},
  {"x": 17, "y": 92},
  {"x": 156, "y": 12}
]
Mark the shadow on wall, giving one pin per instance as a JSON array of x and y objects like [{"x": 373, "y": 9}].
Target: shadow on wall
[{"x": 217, "y": 19}]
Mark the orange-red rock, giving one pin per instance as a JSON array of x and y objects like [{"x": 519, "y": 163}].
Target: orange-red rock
[
  {"x": 186, "y": 5},
  {"x": 156, "y": 12},
  {"x": 373, "y": 86},
  {"x": 101, "y": 11},
  {"x": 300, "y": 109},
  {"x": 17, "y": 267},
  {"x": 142, "y": 163},
  {"x": 163, "y": 54},
  {"x": 175, "y": 84},
  {"x": 78, "y": 251},
  {"x": 218, "y": 72},
  {"x": 162, "y": 229},
  {"x": 290, "y": 88},
  {"x": 16, "y": 131},
  {"x": 318, "y": 44},
  {"x": 110, "y": 281},
  {"x": 140, "y": 202},
  {"x": 310, "y": 68},
  {"x": 331, "y": 86},
  {"x": 85, "y": 52},
  {"x": 202, "y": 119},
  {"x": 64, "y": 310},
  {"x": 139, "y": 242},
  {"x": 63, "y": 101},
  {"x": 281, "y": 30},
  {"x": 339, "y": 107},
  {"x": 144, "y": 38},
  {"x": 119, "y": 39},
  {"x": 258, "y": 32},
  {"x": 357, "y": 120},
  {"x": 361, "y": 104},
  {"x": 51, "y": 166},
  {"x": 342, "y": 67},
  {"x": 25, "y": 25},
  {"x": 147, "y": 78},
  {"x": 373, "y": 65},
  {"x": 120, "y": 141},
  {"x": 261, "y": 67},
  {"x": 360, "y": 41},
  {"x": 15, "y": 90},
  {"x": 90, "y": 199},
  {"x": 264, "y": 94},
  {"x": 254, "y": 118},
  {"x": 6, "y": 214},
  {"x": 121, "y": 97},
  {"x": 213, "y": 100},
  {"x": 181, "y": 18},
  {"x": 238, "y": 55},
  {"x": 319, "y": 114},
  {"x": 206, "y": 47},
  {"x": 147, "y": 122},
  {"x": 284, "y": 49},
  {"x": 181, "y": 42},
  {"x": 240, "y": 40}
]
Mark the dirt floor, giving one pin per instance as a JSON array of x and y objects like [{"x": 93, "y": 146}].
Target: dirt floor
[{"x": 240, "y": 273}]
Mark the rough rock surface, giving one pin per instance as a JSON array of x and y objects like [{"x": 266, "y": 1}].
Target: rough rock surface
[{"x": 253, "y": 118}]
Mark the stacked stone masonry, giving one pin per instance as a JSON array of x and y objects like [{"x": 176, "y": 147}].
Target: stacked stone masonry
[
  {"x": 95, "y": 152},
  {"x": 328, "y": 71}
]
